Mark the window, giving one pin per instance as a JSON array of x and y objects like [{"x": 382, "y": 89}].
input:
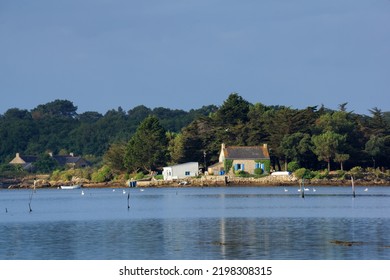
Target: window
[{"x": 187, "y": 173}]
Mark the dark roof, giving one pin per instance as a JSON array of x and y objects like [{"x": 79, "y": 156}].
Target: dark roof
[
  {"x": 62, "y": 160},
  {"x": 249, "y": 152},
  {"x": 29, "y": 159}
]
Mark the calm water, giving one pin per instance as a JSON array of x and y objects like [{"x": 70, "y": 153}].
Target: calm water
[{"x": 195, "y": 223}]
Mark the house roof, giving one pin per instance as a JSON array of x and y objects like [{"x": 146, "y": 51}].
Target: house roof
[
  {"x": 183, "y": 164},
  {"x": 62, "y": 160},
  {"x": 248, "y": 152},
  {"x": 20, "y": 159}
]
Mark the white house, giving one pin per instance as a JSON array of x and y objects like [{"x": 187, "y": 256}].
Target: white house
[{"x": 181, "y": 171}]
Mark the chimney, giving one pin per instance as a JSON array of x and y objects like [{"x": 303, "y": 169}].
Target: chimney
[
  {"x": 71, "y": 154},
  {"x": 222, "y": 146},
  {"x": 17, "y": 155},
  {"x": 265, "y": 146}
]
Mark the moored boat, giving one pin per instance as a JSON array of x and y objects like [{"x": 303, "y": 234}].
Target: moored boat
[{"x": 72, "y": 187}]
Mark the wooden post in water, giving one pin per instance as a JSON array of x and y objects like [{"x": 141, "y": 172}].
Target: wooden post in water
[
  {"x": 29, "y": 203},
  {"x": 303, "y": 188},
  {"x": 128, "y": 200},
  {"x": 353, "y": 187}
]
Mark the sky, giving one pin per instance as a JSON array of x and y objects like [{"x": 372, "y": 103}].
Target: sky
[{"x": 185, "y": 54}]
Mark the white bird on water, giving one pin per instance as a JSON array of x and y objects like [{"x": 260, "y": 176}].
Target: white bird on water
[
  {"x": 314, "y": 190},
  {"x": 82, "y": 192},
  {"x": 366, "y": 189},
  {"x": 286, "y": 190},
  {"x": 124, "y": 192}
]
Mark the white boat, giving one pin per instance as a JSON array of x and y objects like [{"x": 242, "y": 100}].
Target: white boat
[{"x": 72, "y": 187}]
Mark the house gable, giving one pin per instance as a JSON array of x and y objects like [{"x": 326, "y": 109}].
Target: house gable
[{"x": 245, "y": 158}]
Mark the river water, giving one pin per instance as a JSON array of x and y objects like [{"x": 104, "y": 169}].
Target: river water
[{"x": 213, "y": 223}]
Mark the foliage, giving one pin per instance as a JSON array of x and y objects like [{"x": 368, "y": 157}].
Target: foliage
[
  {"x": 267, "y": 164},
  {"x": 227, "y": 165},
  {"x": 139, "y": 176},
  {"x": 357, "y": 172},
  {"x": 102, "y": 175},
  {"x": 258, "y": 171},
  {"x": 303, "y": 173},
  {"x": 312, "y": 137},
  {"x": 45, "y": 164},
  {"x": 147, "y": 149},
  {"x": 293, "y": 166},
  {"x": 242, "y": 173},
  {"x": 114, "y": 158},
  {"x": 326, "y": 145}
]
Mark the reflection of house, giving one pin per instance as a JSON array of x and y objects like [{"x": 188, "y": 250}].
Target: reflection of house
[
  {"x": 242, "y": 158},
  {"x": 181, "y": 171},
  {"x": 63, "y": 160}
]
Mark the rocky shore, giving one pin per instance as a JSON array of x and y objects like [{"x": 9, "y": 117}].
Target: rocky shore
[{"x": 286, "y": 180}]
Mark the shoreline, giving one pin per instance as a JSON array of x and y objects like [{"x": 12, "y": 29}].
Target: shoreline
[{"x": 205, "y": 181}]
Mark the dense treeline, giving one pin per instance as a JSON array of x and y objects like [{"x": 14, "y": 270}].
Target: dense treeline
[
  {"x": 56, "y": 127},
  {"x": 144, "y": 139},
  {"x": 314, "y": 138}
]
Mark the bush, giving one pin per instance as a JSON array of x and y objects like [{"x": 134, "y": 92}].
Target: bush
[
  {"x": 341, "y": 174},
  {"x": 301, "y": 173},
  {"x": 357, "y": 171},
  {"x": 320, "y": 174},
  {"x": 241, "y": 173},
  {"x": 292, "y": 166},
  {"x": 139, "y": 176},
  {"x": 258, "y": 171},
  {"x": 102, "y": 175}
]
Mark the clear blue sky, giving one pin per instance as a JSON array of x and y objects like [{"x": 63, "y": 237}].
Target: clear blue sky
[{"x": 183, "y": 54}]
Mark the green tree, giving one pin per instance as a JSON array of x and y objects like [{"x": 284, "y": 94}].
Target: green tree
[
  {"x": 45, "y": 164},
  {"x": 233, "y": 110},
  {"x": 375, "y": 147},
  {"x": 341, "y": 158},
  {"x": 147, "y": 148},
  {"x": 175, "y": 147},
  {"x": 114, "y": 158},
  {"x": 326, "y": 145}
]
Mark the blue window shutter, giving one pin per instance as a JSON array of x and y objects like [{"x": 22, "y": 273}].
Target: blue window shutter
[
  {"x": 262, "y": 166},
  {"x": 242, "y": 167},
  {"x": 236, "y": 166},
  {"x": 257, "y": 165}
]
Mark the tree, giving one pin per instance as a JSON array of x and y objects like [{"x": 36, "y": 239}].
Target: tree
[
  {"x": 233, "y": 110},
  {"x": 341, "y": 158},
  {"x": 45, "y": 163},
  {"x": 378, "y": 124},
  {"x": 374, "y": 147},
  {"x": 326, "y": 145},
  {"x": 147, "y": 148},
  {"x": 114, "y": 158},
  {"x": 175, "y": 147},
  {"x": 56, "y": 108}
]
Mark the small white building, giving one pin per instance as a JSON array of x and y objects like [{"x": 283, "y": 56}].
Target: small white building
[{"x": 181, "y": 171}]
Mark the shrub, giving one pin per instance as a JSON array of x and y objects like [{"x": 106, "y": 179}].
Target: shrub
[
  {"x": 139, "y": 176},
  {"x": 357, "y": 171},
  {"x": 341, "y": 174},
  {"x": 258, "y": 171},
  {"x": 102, "y": 175},
  {"x": 241, "y": 173},
  {"x": 292, "y": 166},
  {"x": 300, "y": 173}
]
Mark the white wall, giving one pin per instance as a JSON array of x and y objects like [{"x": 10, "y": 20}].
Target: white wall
[{"x": 180, "y": 171}]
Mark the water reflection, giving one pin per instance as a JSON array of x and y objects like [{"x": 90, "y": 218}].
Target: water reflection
[{"x": 229, "y": 223}]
